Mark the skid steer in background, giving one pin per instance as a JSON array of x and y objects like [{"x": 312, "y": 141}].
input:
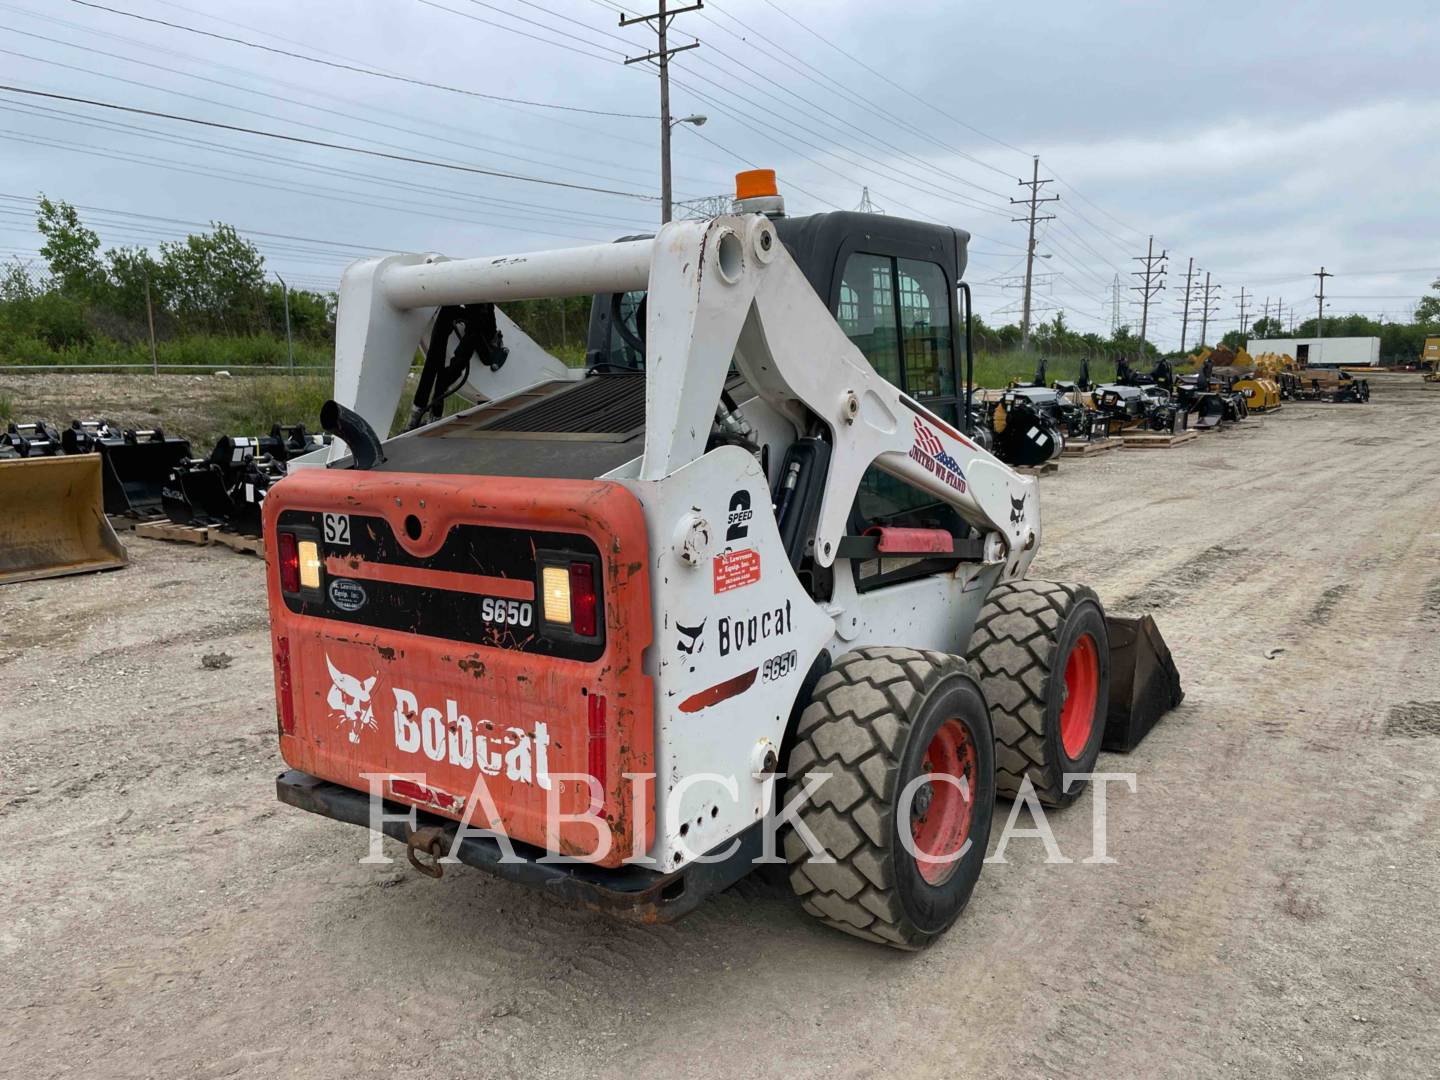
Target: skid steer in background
[{"x": 606, "y": 614}]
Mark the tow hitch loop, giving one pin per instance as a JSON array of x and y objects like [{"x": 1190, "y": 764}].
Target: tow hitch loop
[{"x": 431, "y": 841}]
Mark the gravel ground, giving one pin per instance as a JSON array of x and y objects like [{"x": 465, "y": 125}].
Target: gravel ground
[{"x": 1271, "y": 911}]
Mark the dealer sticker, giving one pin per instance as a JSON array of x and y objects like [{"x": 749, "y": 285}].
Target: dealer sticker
[{"x": 736, "y": 569}]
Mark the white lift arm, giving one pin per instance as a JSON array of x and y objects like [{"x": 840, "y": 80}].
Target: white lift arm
[{"x": 719, "y": 291}]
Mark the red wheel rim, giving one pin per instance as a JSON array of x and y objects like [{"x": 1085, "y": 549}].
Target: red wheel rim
[
  {"x": 940, "y": 811},
  {"x": 1082, "y": 686}
]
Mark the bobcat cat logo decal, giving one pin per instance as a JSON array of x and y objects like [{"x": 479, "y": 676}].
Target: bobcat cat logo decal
[
  {"x": 1017, "y": 510},
  {"x": 349, "y": 699}
]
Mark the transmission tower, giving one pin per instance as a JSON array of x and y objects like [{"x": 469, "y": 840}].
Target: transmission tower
[
  {"x": 1115, "y": 307},
  {"x": 1033, "y": 202},
  {"x": 866, "y": 205},
  {"x": 705, "y": 208}
]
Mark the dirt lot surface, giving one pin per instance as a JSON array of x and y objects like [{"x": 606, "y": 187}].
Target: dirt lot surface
[
  {"x": 138, "y": 401},
  {"x": 1272, "y": 911}
]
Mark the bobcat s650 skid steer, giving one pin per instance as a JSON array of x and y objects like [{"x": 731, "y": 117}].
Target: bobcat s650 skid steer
[{"x": 591, "y": 633}]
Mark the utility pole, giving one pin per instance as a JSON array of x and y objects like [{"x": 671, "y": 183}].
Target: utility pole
[
  {"x": 1185, "y": 318},
  {"x": 1152, "y": 275},
  {"x": 289, "y": 344},
  {"x": 1320, "y": 320},
  {"x": 1032, "y": 217},
  {"x": 1208, "y": 307},
  {"x": 1242, "y": 312},
  {"x": 661, "y": 56},
  {"x": 150, "y": 318}
]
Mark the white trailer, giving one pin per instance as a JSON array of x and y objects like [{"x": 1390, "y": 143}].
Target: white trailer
[{"x": 1321, "y": 352}]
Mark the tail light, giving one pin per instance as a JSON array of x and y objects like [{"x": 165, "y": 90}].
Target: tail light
[
  {"x": 570, "y": 596},
  {"x": 300, "y": 563},
  {"x": 583, "y": 603},
  {"x": 598, "y": 743},
  {"x": 289, "y": 562}
]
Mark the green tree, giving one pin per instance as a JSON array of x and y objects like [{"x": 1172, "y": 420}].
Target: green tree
[
  {"x": 213, "y": 281},
  {"x": 1268, "y": 328},
  {"x": 1428, "y": 309},
  {"x": 17, "y": 282},
  {"x": 128, "y": 270},
  {"x": 1233, "y": 340},
  {"x": 70, "y": 249}
]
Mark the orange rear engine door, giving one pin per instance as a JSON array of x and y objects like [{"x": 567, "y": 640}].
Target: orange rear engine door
[{"x": 440, "y": 639}]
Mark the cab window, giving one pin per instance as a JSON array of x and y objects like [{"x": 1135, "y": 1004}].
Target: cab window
[
  {"x": 866, "y": 311},
  {"x": 898, "y": 313}
]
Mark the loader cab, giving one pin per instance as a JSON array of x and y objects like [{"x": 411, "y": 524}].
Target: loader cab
[
  {"x": 896, "y": 289},
  {"x": 894, "y": 286}
]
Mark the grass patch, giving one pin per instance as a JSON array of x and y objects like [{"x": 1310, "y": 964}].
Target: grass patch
[
  {"x": 260, "y": 401},
  {"x": 7, "y": 408},
  {"x": 996, "y": 370},
  {"x": 198, "y": 351}
]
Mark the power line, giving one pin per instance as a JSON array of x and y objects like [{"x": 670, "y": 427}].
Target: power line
[
  {"x": 275, "y": 97},
  {"x": 330, "y": 195},
  {"x": 373, "y": 72},
  {"x": 328, "y": 146},
  {"x": 510, "y": 206},
  {"x": 833, "y": 86},
  {"x": 885, "y": 78},
  {"x": 524, "y": 34}
]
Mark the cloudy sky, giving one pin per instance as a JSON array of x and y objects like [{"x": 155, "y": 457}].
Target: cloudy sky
[{"x": 1260, "y": 139}]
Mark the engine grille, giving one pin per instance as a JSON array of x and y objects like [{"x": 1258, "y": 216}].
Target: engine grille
[{"x": 609, "y": 404}]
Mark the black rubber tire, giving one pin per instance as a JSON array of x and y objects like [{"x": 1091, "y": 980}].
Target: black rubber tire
[
  {"x": 1019, "y": 650},
  {"x": 869, "y": 725}
]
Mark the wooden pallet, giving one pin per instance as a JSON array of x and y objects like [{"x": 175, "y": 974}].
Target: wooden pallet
[
  {"x": 1154, "y": 440},
  {"x": 1039, "y": 470},
  {"x": 1090, "y": 449},
  {"x": 246, "y": 545},
  {"x": 166, "y": 529},
  {"x": 202, "y": 535}
]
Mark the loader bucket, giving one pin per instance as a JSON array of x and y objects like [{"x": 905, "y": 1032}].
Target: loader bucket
[
  {"x": 52, "y": 520},
  {"x": 1144, "y": 682},
  {"x": 1207, "y": 411}
]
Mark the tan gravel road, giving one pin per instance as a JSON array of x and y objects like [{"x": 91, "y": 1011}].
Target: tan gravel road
[{"x": 1272, "y": 910}]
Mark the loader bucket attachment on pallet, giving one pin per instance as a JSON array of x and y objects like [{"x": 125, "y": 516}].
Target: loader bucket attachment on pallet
[
  {"x": 1207, "y": 411},
  {"x": 1144, "y": 682},
  {"x": 53, "y": 521}
]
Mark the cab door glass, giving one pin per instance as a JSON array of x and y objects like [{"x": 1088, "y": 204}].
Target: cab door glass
[
  {"x": 866, "y": 311},
  {"x": 927, "y": 344}
]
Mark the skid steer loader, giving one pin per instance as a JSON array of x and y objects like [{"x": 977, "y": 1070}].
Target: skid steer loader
[{"x": 605, "y": 631}]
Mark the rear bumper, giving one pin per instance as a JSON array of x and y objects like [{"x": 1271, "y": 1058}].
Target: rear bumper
[{"x": 632, "y": 893}]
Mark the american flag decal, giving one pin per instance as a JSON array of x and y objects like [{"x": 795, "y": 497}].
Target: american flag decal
[{"x": 926, "y": 439}]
